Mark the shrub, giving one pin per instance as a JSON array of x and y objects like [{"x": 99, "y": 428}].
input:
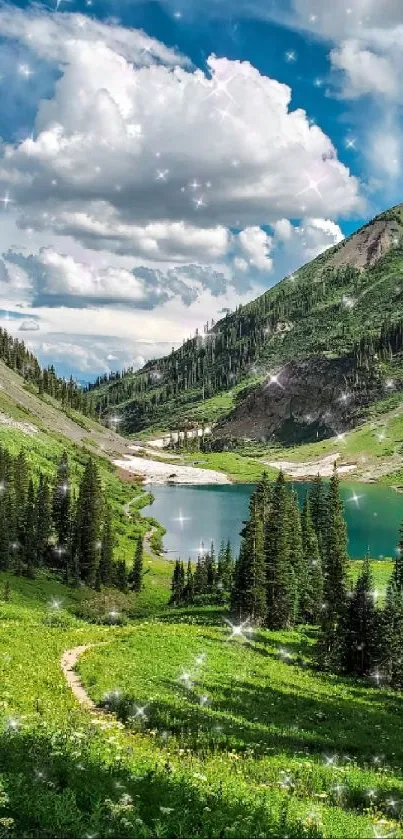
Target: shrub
[{"x": 106, "y": 607}]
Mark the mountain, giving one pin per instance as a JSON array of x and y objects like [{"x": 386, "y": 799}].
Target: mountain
[{"x": 327, "y": 338}]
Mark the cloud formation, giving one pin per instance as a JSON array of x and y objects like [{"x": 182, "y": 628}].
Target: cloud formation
[{"x": 135, "y": 159}]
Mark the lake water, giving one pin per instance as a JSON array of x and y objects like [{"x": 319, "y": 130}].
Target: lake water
[{"x": 193, "y": 515}]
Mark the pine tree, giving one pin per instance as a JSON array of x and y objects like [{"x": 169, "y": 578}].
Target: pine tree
[
  {"x": 4, "y": 529},
  {"x": 62, "y": 503},
  {"x": 330, "y": 646},
  {"x": 311, "y": 584},
  {"x": 200, "y": 575},
  {"x": 240, "y": 577},
  {"x": 392, "y": 624},
  {"x": 189, "y": 587},
  {"x": 318, "y": 506},
  {"x": 177, "y": 583},
  {"x": 89, "y": 523},
  {"x": 280, "y": 583},
  {"x": 253, "y": 594},
  {"x": 20, "y": 486},
  {"x": 296, "y": 555},
  {"x": 361, "y": 641},
  {"x": 136, "y": 574},
  {"x": 43, "y": 516},
  {"x": 30, "y": 544},
  {"x": 211, "y": 570},
  {"x": 120, "y": 575},
  {"x": 105, "y": 568}
]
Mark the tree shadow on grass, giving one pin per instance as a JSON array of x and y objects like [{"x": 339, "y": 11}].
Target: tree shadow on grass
[{"x": 50, "y": 792}]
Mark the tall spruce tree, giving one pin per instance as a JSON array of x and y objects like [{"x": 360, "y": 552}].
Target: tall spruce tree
[
  {"x": 105, "y": 568},
  {"x": 311, "y": 583},
  {"x": 330, "y": 646},
  {"x": 318, "y": 508},
  {"x": 296, "y": 555},
  {"x": 252, "y": 593},
  {"x": 279, "y": 574},
  {"x": 88, "y": 525},
  {"x": 43, "y": 517},
  {"x": 392, "y": 623},
  {"x": 361, "y": 633},
  {"x": 30, "y": 543},
  {"x": 62, "y": 503},
  {"x": 136, "y": 573}
]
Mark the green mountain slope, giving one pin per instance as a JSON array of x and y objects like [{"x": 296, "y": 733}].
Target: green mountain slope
[{"x": 344, "y": 307}]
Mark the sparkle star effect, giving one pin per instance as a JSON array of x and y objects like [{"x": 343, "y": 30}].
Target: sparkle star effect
[
  {"x": 25, "y": 70},
  {"x": 6, "y": 200},
  {"x": 312, "y": 185},
  {"x": 355, "y": 499},
  {"x": 199, "y": 202},
  {"x": 12, "y": 724},
  {"x": 241, "y": 630},
  {"x": 162, "y": 174},
  {"x": 290, "y": 56},
  {"x": 55, "y": 604},
  {"x": 181, "y": 519},
  {"x": 220, "y": 88}
]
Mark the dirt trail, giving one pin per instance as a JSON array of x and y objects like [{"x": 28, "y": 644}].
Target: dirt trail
[{"x": 68, "y": 661}]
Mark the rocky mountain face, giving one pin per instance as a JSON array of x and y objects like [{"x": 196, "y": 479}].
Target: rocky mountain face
[
  {"x": 307, "y": 400},
  {"x": 368, "y": 245}
]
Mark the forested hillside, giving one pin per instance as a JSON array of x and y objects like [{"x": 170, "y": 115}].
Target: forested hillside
[{"x": 346, "y": 304}]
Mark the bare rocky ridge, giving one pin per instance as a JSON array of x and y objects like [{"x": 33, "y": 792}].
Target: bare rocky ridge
[{"x": 366, "y": 247}]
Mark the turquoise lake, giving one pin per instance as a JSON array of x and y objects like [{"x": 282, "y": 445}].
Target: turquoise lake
[{"x": 193, "y": 515}]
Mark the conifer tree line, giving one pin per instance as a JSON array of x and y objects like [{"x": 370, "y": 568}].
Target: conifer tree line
[
  {"x": 15, "y": 354},
  {"x": 293, "y": 568},
  {"x": 209, "y": 580},
  {"x": 44, "y": 523}
]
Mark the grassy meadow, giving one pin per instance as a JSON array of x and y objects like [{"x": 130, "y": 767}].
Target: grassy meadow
[{"x": 224, "y": 738}]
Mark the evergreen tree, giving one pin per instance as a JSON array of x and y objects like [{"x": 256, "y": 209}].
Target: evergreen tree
[
  {"x": 392, "y": 623},
  {"x": 240, "y": 577},
  {"x": 136, "y": 574},
  {"x": 211, "y": 570},
  {"x": 43, "y": 517},
  {"x": 62, "y": 503},
  {"x": 88, "y": 523},
  {"x": 5, "y": 536},
  {"x": 120, "y": 575},
  {"x": 296, "y": 555},
  {"x": 177, "y": 583},
  {"x": 360, "y": 640},
  {"x": 318, "y": 507},
  {"x": 30, "y": 543},
  {"x": 200, "y": 575},
  {"x": 330, "y": 645},
  {"x": 253, "y": 594},
  {"x": 311, "y": 583},
  {"x": 189, "y": 587},
  {"x": 279, "y": 575},
  {"x": 105, "y": 568},
  {"x": 20, "y": 486}
]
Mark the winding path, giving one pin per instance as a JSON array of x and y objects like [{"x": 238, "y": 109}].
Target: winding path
[{"x": 68, "y": 662}]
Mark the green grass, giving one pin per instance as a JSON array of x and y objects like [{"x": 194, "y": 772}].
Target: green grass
[
  {"x": 256, "y": 727},
  {"x": 257, "y": 759},
  {"x": 239, "y": 468}
]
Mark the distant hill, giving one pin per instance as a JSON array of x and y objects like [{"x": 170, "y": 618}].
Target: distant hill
[{"x": 334, "y": 329}]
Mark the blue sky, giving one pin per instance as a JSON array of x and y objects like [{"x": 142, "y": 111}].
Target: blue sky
[{"x": 163, "y": 161}]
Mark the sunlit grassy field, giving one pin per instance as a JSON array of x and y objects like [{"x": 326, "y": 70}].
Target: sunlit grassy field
[{"x": 230, "y": 738}]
